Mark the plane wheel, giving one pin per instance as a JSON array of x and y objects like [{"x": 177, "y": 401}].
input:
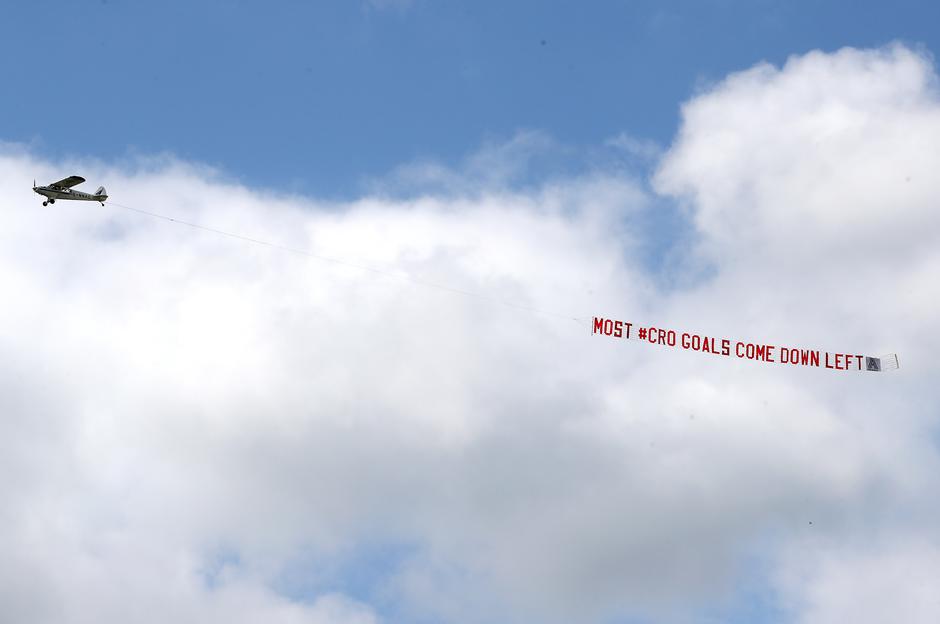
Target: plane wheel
[{"x": 45, "y": 203}]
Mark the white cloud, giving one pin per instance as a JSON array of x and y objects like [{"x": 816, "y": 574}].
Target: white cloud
[
  {"x": 528, "y": 156},
  {"x": 811, "y": 188},
  {"x": 641, "y": 149},
  {"x": 876, "y": 582},
  {"x": 169, "y": 394}
]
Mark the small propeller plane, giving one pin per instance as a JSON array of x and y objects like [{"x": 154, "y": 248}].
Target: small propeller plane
[{"x": 63, "y": 190}]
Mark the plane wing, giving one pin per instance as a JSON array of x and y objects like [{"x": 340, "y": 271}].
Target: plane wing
[{"x": 68, "y": 182}]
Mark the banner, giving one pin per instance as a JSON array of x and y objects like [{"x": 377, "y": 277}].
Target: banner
[{"x": 759, "y": 352}]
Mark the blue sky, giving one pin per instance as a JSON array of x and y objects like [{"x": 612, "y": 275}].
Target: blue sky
[
  {"x": 320, "y": 97},
  {"x": 287, "y": 439}
]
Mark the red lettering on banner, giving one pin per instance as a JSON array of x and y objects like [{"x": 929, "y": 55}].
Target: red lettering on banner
[
  {"x": 705, "y": 344},
  {"x": 743, "y": 350},
  {"x": 610, "y": 327},
  {"x": 751, "y": 351},
  {"x": 840, "y": 361},
  {"x": 666, "y": 337},
  {"x": 797, "y": 357}
]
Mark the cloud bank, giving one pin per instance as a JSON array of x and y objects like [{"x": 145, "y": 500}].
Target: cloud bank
[{"x": 196, "y": 429}]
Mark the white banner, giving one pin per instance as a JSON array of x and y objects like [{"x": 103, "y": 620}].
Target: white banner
[{"x": 726, "y": 347}]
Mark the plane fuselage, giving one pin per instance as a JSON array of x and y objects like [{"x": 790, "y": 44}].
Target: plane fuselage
[{"x": 54, "y": 193}]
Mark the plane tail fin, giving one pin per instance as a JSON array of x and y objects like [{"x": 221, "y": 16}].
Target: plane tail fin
[{"x": 101, "y": 191}]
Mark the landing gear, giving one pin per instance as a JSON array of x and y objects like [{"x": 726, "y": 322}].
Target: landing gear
[
  {"x": 45, "y": 203},
  {"x": 51, "y": 201}
]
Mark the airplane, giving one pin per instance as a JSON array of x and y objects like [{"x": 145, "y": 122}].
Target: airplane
[{"x": 63, "y": 190}]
